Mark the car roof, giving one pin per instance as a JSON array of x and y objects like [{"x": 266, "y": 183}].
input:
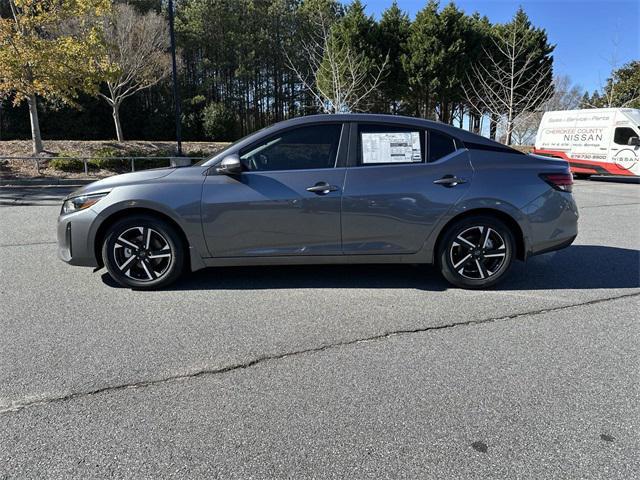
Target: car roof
[{"x": 462, "y": 135}]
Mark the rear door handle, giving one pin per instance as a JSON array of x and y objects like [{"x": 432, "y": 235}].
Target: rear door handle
[
  {"x": 322, "y": 188},
  {"x": 449, "y": 181}
]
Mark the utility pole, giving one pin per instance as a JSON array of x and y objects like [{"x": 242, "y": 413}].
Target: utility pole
[{"x": 176, "y": 94}]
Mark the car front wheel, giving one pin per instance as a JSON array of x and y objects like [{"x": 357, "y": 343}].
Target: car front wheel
[
  {"x": 143, "y": 252},
  {"x": 476, "y": 252}
]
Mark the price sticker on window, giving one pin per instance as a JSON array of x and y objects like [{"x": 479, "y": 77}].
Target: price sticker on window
[{"x": 391, "y": 147}]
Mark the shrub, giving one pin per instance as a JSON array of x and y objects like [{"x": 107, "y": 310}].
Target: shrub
[
  {"x": 149, "y": 161},
  {"x": 102, "y": 161},
  {"x": 66, "y": 162},
  {"x": 218, "y": 121}
]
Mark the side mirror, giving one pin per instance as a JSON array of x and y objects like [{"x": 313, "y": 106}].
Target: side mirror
[
  {"x": 633, "y": 141},
  {"x": 230, "y": 165}
]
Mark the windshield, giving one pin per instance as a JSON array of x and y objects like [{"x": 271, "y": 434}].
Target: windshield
[{"x": 220, "y": 154}]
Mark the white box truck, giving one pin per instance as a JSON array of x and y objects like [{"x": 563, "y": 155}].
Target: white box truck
[{"x": 598, "y": 141}]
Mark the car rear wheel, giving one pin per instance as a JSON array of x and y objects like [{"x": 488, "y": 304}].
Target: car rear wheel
[
  {"x": 476, "y": 252},
  {"x": 143, "y": 252}
]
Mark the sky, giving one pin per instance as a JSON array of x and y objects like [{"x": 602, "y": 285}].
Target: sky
[{"x": 590, "y": 35}]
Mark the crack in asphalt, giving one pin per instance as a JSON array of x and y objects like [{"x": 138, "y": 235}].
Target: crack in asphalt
[
  {"x": 25, "y": 244},
  {"x": 19, "y": 202},
  {"x": 18, "y": 405},
  {"x": 610, "y": 205}
]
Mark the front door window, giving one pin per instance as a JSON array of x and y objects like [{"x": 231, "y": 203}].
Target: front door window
[
  {"x": 622, "y": 135},
  {"x": 303, "y": 148}
]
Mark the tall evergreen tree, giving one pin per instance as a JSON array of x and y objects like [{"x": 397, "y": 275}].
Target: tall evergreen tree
[
  {"x": 355, "y": 35},
  {"x": 452, "y": 55},
  {"x": 393, "y": 33},
  {"x": 421, "y": 62}
]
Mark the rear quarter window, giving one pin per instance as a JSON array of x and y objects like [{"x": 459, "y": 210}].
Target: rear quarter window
[{"x": 440, "y": 145}]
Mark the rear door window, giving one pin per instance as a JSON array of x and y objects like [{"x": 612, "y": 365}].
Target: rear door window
[{"x": 385, "y": 145}]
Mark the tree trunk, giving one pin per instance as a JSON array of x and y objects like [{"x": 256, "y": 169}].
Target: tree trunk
[
  {"x": 474, "y": 122},
  {"x": 116, "y": 121},
  {"x": 509, "y": 133},
  {"x": 35, "y": 125},
  {"x": 444, "y": 112},
  {"x": 493, "y": 126}
]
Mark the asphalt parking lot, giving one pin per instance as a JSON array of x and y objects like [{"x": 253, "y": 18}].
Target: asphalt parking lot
[{"x": 323, "y": 372}]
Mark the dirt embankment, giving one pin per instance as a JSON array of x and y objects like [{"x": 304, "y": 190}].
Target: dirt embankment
[
  {"x": 22, "y": 148},
  {"x": 59, "y": 159}
]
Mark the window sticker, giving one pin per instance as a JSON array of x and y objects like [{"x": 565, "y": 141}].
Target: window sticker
[{"x": 391, "y": 147}]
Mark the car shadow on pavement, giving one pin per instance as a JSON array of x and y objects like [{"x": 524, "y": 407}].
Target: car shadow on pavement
[
  {"x": 576, "y": 267},
  {"x": 423, "y": 277}
]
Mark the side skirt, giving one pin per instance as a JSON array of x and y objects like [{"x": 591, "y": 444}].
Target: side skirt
[{"x": 314, "y": 260}]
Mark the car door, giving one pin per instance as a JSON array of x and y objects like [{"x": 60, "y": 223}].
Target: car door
[
  {"x": 624, "y": 156},
  {"x": 400, "y": 181},
  {"x": 285, "y": 202}
]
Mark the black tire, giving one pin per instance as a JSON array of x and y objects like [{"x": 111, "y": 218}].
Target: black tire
[
  {"x": 582, "y": 176},
  {"x": 143, "y": 252},
  {"x": 465, "y": 265}
]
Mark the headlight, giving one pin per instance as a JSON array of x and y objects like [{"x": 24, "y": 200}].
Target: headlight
[{"x": 80, "y": 203}]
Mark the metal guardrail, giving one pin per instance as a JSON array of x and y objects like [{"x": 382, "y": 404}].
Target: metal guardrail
[{"x": 86, "y": 160}]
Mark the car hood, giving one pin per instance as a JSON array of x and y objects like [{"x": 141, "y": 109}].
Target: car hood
[{"x": 132, "y": 178}]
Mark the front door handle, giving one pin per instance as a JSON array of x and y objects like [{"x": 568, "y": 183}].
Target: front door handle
[
  {"x": 322, "y": 188},
  {"x": 449, "y": 181}
]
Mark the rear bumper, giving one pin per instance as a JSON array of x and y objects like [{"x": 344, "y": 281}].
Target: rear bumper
[
  {"x": 556, "y": 245},
  {"x": 553, "y": 222},
  {"x": 74, "y": 246}
]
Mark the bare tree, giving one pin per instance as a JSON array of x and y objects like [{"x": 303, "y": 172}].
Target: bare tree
[
  {"x": 566, "y": 96},
  {"x": 137, "y": 51},
  {"x": 610, "y": 96},
  {"x": 613, "y": 64},
  {"x": 339, "y": 79},
  {"x": 509, "y": 79}
]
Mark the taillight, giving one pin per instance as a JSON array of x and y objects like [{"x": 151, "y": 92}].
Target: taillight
[{"x": 559, "y": 181}]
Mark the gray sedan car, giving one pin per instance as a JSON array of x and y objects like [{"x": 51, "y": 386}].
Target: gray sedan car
[{"x": 328, "y": 189}]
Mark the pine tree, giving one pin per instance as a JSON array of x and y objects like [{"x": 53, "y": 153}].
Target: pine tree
[
  {"x": 393, "y": 33},
  {"x": 421, "y": 61}
]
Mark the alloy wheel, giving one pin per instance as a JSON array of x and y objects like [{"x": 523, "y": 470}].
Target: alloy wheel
[
  {"x": 142, "y": 254},
  {"x": 478, "y": 252}
]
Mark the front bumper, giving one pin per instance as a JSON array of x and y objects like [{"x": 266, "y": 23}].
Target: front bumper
[{"x": 75, "y": 239}]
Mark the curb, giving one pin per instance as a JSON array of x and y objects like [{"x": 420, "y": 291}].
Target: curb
[
  {"x": 615, "y": 178},
  {"x": 46, "y": 182}
]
